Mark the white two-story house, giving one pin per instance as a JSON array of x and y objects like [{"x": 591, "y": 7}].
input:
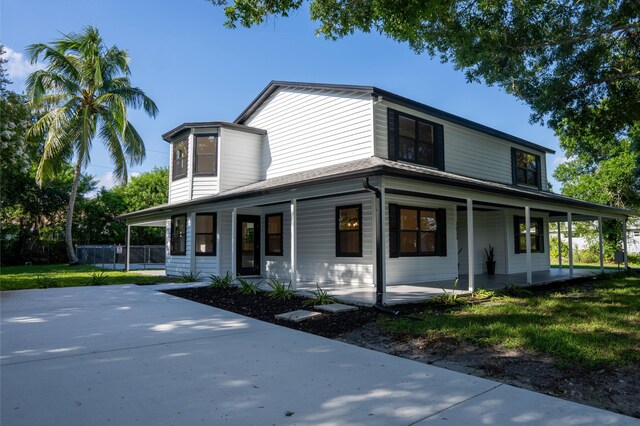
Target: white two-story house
[{"x": 356, "y": 187}]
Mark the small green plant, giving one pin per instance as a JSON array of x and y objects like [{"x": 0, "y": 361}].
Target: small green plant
[
  {"x": 45, "y": 281},
  {"x": 489, "y": 253},
  {"x": 248, "y": 287},
  {"x": 483, "y": 293},
  {"x": 189, "y": 277},
  {"x": 221, "y": 282},
  {"x": 280, "y": 290},
  {"x": 98, "y": 279},
  {"x": 320, "y": 297},
  {"x": 513, "y": 290},
  {"x": 447, "y": 298}
]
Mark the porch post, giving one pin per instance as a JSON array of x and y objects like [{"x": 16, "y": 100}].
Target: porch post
[
  {"x": 527, "y": 222},
  {"x": 624, "y": 243},
  {"x": 601, "y": 250},
  {"x": 234, "y": 226},
  {"x": 383, "y": 245},
  {"x": 127, "y": 243},
  {"x": 570, "y": 242},
  {"x": 294, "y": 260},
  {"x": 559, "y": 247},
  {"x": 470, "y": 244},
  {"x": 192, "y": 246}
]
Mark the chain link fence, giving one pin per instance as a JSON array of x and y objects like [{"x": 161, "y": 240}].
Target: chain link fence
[{"x": 114, "y": 256}]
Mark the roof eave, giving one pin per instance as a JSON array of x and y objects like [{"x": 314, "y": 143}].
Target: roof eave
[{"x": 204, "y": 124}]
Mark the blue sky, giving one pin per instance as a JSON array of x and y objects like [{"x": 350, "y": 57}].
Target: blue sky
[{"x": 197, "y": 70}]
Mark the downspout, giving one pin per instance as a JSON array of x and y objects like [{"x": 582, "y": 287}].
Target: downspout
[{"x": 379, "y": 260}]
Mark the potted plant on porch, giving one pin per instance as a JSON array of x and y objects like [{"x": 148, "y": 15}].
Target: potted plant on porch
[{"x": 491, "y": 264}]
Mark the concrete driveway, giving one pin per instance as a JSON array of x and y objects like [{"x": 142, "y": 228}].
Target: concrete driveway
[{"x": 124, "y": 355}]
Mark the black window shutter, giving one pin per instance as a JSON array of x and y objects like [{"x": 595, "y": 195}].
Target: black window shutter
[
  {"x": 539, "y": 169},
  {"x": 540, "y": 234},
  {"x": 514, "y": 165},
  {"x": 392, "y": 129},
  {"x": 393, "y": 230},
  {"x": 438, "y": 132},
  {"x": 441, "y": 220},
  {"x": 516, "y": 233}
]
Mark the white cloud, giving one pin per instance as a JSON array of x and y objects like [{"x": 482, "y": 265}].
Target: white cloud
[
  {"x": 18, "y": 67},
  {"x": 109, "y": 180},
  {"x": 558, "y": 159}
]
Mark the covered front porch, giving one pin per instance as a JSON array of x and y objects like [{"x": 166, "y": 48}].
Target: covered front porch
[{"x": 419, "y": 292}]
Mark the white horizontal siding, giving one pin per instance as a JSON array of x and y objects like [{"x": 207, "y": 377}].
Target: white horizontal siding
[
  {"x": 489, "y": 229},
  {"x": 466, "y": 152},
  {"x": 179, "y": 190},
  {"x": 422, "y": 269},
  {"x": 177, "y": 265},
  {"x": 310, "y": 128},
  {"x": 205, "y": 186},
  {"x": 317, "y": 261},
  {"x": 240, "y": 158}
]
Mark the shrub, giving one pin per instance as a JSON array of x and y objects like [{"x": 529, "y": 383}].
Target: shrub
[
  {"x": 483, "y": 293},
  {"x": 188, "y": 277},
  {"x": 221, "y": 282},
  {"x": 280, "y": 291},
  {"x": 98, "y": 279},
  {"x": 447, "y": 298},
  {"x": 248, "y": 287},
  {"x": 320, "y": 297},
  {"x": 513, "y": 290}
]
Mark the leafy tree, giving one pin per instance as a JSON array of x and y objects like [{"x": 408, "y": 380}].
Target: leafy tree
[
  {"x": 85, "y": 92},
  {"x": 97, "y": 224},
  {"x": 576, "y": 63}
]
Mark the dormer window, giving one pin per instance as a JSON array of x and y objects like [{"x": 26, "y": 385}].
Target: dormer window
[
  {"x": 180, "y": 151},
  {"x": 415, "y": 140},
  {"x": 206, "y": 155},
  {"x": 526, "y": 169}
]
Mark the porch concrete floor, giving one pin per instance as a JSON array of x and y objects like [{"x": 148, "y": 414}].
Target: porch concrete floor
[{"x": 413, "y": 293}]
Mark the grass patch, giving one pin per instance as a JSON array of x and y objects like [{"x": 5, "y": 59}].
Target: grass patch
[
  {"x": 595, "y": 325},
  {"x": 47, "y": 276}
]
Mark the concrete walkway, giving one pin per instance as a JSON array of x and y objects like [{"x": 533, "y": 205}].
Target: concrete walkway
[{"x": 131, "y": 355}]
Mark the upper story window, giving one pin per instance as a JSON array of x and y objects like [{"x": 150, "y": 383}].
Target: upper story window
[
  {"x": 178, "y": 235},
  {"x": 349, "y": 231},
  {"x": 206, "y": 226},
  {"x": 416, "y": 231},
  {"x": 526, "y": 169},
  {"x": 206, "y": 155},
  {"x": 537, "y": 234},
  {"x": 274, "y": 234},
  {"x": 180, "y": 157},
  {"x": 415, "y": 140}
]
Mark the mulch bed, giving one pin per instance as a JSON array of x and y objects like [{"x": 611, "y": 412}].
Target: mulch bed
[{"x": 264, "y": 308}]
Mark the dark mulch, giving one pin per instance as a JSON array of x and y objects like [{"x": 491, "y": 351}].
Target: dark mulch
[{"x": 264, "y": 308}]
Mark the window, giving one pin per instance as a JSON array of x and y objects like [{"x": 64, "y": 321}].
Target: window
[
  {"x": 206, "y": 226},
  {"x": 349, "y": 231},
  {"x": 180, "y": 151},
  {"x": 206, "y": 155},
  {"x": 537, "y": 235},
  {"x": 178, "y": 235},
  {"x": 415, "y": 140},
  {"x": 526, "y": 168},
  {"x": 417, "y": 231},
  {"x": 274, "y": 234}
]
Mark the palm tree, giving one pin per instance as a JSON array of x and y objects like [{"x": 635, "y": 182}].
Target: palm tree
[{"x": 84, "y": 92}]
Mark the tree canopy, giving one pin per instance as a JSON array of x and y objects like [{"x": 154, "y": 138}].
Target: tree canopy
[{"x": 576, "y": 64}]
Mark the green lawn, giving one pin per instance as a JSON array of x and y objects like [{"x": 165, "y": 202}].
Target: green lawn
[
  {"x": 608, "y": 266},
  {"x": 46, "y": 276},
  {"x": 593, "y": 326}
]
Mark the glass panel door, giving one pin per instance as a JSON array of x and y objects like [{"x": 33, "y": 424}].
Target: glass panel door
[{"x": 248, "y": 247}]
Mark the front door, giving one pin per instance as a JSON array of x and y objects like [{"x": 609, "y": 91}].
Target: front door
[{"x": 248, "y": 245}]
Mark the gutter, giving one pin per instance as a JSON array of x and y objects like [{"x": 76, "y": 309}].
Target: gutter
[{"x": 379, "y": 260}]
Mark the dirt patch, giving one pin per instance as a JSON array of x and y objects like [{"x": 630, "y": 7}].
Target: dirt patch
[{"x": 614, "y": 389}]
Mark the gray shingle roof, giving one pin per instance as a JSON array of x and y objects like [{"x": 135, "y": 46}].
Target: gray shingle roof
[{"x": 371, "y": 167}]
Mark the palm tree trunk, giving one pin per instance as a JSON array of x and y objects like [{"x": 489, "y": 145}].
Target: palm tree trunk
[{"x": 71, "y": 252}]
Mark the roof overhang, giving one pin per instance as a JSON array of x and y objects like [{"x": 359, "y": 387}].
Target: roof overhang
[
  {"x": 378, "y": 167},
  {"x": 392, "y": 97},
  {"x": 209, "y": 124}
]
